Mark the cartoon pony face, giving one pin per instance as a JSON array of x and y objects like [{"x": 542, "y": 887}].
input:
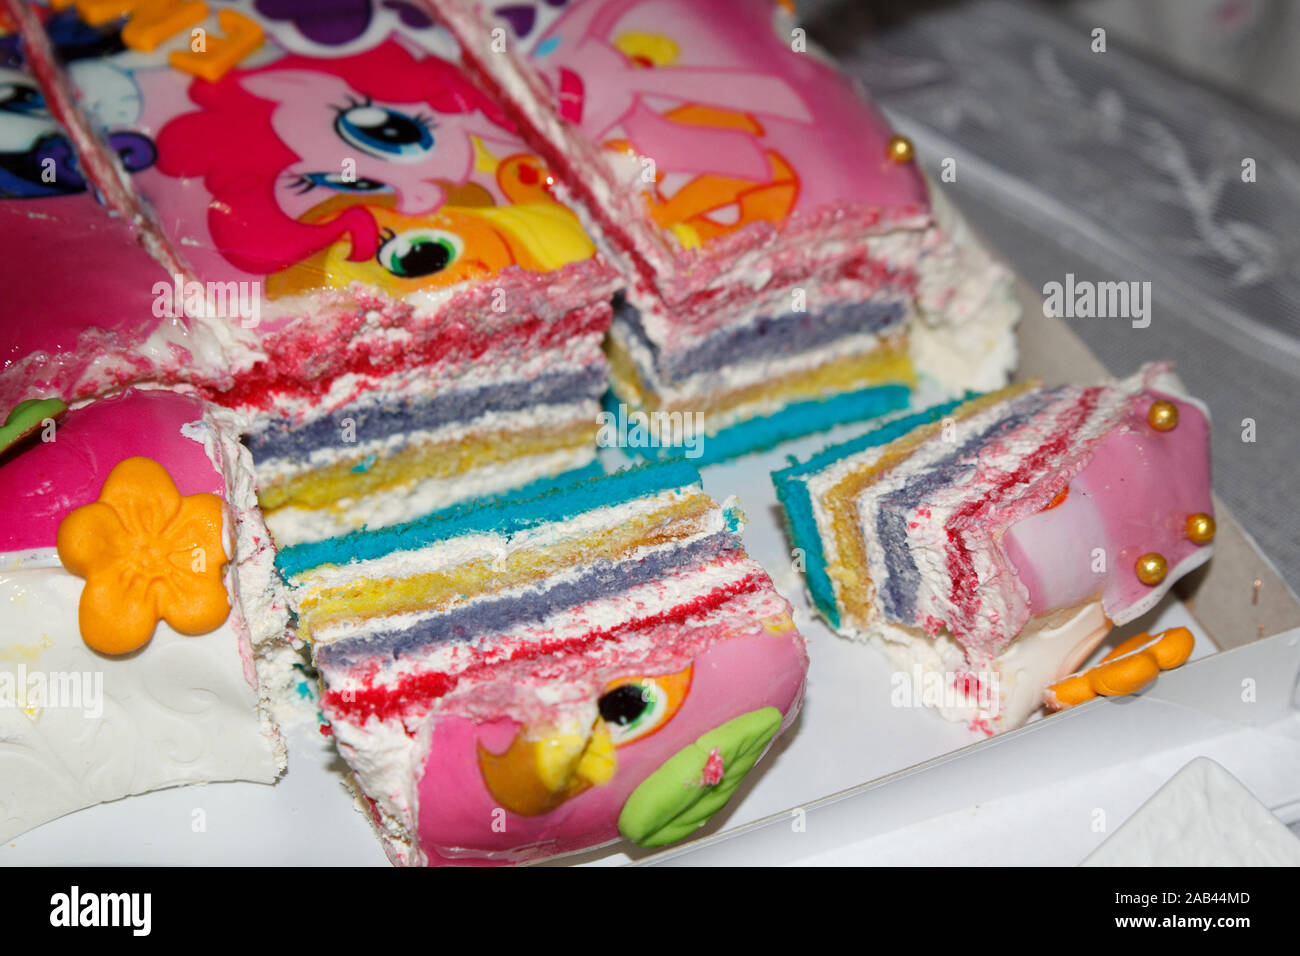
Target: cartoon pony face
[
  {"x": 642, "y": 92},
  {"x": 371, "y": 167},
  {"x": 535, "y": 775},
  {"x": 668, "y": 745},
  {"x": 36, "y": 157},
  {"x": 471, "y": 237}
]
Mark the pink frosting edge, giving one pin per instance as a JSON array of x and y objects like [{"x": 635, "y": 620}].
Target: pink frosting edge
[
  {"x": 40, "y": 484},
  {"x": 732, "y": 677},
  {"x": 1184, "y": 453}
]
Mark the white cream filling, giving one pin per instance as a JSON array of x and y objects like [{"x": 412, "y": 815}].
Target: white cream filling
[
  {"x": 260, "y": 605},
  {"x": 347, "y": 629},
  {"x": 427, "y": 381},
  {"x": 1047, "y": 650},
  {"x": 445, "y": 554},
  {"x": 294, "y": 525},
  {"x": 537, "y": 418},
  {"x": 643, "y": 601},
  {"x": 704, "y": 385}
]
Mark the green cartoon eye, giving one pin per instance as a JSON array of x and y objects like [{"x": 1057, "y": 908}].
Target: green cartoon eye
[
  {"x": 634, "y": 709},
  {"x": 420, "y": 252},
  {"x": 696, "y": 782}
]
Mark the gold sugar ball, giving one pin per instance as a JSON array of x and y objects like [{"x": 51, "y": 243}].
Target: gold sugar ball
[
  {"x": 1151, "y": 568},
  {"x": 1200, "y": 528},
  {"x": 900, "y": 149},
  {"x": 1163, "y": 415}
]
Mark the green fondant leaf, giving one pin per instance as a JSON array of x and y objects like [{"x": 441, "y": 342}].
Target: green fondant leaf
[
  {"x": 673, "y": 802},
  {"x": 26, "y": 417}
]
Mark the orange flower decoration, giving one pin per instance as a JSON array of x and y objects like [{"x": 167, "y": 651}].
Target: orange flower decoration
[{"x": 147, "y": 554}]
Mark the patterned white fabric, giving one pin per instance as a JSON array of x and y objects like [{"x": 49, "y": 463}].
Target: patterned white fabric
[{"x": 1111, "y": 168}]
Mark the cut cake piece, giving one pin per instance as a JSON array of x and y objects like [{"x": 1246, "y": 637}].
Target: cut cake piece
[
  {"x": 159, "y": 668},
  {"x": 520, "y": 680},
  {"x": 997, "y": 541},
  {"x": 407, "y": 317},
  {"x": 781, "y": 244}
]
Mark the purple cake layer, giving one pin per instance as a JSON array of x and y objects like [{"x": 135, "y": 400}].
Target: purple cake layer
[
  {"x": 764, "y": 336},
  {"x": 897, "y": 594},
  {"x": 500, "y": 616},
  {"x": 282, "y": 439}
]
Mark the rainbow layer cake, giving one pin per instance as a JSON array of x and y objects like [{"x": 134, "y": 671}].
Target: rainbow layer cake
[
  {"x": 780, "y": 244},
  {"x": 406, "y": 316},
  {"x": 143, "y": 637},
  {"x": 524, "y": 679},
  {"x": 994, "y": 543}
]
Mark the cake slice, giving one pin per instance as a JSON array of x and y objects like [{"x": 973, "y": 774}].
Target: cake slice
[
  {"x": 406, "y": 316},
  {"x": 781, "y": 245},
  {"x": 995, "y": 542},
  {"x": 521, "y": 680},
  {"x": 144, "y": 632}
]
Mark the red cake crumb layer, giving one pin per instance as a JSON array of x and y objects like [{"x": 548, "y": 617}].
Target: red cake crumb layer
[
  {"x": 413, "y": 693},
  {"x": 293, "y": 368},
  {"x": 964, "y": 588}
]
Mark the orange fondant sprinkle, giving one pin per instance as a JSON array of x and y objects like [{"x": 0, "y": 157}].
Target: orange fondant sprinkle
[
  {"x": 147, "y": 554},
  {"x": 1126, "y": 669}
]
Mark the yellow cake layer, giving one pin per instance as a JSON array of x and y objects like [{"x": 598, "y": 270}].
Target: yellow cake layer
[
  {"x": 353, "y": 478},
  {"x": 887, "y": 364},
  {"x": 625, "y": 379},
  {"x": 847, "y": 565},
  {"x": 362, "y": 598}
]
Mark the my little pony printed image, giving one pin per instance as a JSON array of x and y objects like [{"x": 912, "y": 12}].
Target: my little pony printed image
[
  {"x": 676, "y": 100},
  {"x": 385, "y": 166},
  {"x": 36, "y": 158},
  {"x": 347, "y": 20}
]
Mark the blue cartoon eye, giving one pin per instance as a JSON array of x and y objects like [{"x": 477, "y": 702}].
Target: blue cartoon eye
[
  {"x": 339, "y": 183},
  {"x": 21, "y": 98},
  {"x": 388, "y": 134}
]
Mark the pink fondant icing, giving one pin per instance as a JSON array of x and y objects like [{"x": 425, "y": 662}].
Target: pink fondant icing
[
  {"x": 43, "y": 481},
  {"x": 728, "y": 56},
  {"x": 456, "y": 811},
  {"x": 1133, "y": 497},
  {"x": 79, "y": 268}
]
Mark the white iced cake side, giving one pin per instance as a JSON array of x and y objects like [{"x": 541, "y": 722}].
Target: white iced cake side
[{"x": 135, "y": 653}]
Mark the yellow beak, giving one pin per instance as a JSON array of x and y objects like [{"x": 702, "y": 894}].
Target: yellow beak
[{"x": 538, "y": 773}]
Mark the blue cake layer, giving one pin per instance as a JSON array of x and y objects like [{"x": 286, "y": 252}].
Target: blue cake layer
[
  {"x": 372, "y": 422},
  {"x": 530, "y": 606},
  {"x": 526, "y": 508},
  {"x": 796, "y": 501},
  {"x": 767, "y": 431},
  {"x": 765, "y": 336}
]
